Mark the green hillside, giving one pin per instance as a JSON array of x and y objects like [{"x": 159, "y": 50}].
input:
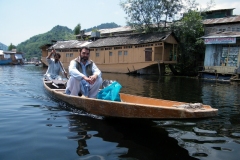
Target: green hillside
[{"x": 31, "y": 46}]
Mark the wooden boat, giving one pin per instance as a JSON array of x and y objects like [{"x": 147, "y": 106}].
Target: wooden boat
[{"x": 131, "y": 106}]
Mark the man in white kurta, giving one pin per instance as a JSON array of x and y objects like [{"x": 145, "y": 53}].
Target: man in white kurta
[
  {"x": 54, "y": 67},
  {"x": 85, "y": 77}
]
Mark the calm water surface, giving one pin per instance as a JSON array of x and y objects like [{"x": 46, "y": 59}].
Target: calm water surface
[{"x": 34, "y": 126}]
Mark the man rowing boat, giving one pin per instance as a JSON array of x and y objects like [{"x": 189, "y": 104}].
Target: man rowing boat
[{"x": 54, "y": 67}]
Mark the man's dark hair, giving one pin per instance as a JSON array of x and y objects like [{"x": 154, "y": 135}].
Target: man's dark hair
[
  {"x": 57, "y": 54},
  {"x": 84, "y": 47}
]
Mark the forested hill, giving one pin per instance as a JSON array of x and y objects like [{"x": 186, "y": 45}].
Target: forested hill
[{"x": 31, "y": 46}]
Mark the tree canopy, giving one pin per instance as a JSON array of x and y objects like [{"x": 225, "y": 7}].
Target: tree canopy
[
  {"x": 148, "y": 15},
  {"x": 11, "y": 46},
  {"x": 191, "y": 47},
  {"x": 189, "y": 30},
  {"x": 77, "y": 29}
]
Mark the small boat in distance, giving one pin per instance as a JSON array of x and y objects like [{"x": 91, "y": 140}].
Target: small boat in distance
[{"x": 131, "y": 106}]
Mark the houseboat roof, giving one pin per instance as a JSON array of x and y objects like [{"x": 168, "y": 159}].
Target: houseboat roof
[
  {"x": 71, "y": 44},
  {"x": 45, "y": 45},
  {"x": 11, "y": 52},
  {"x": 214, "y": 10},
  {"x": 113, "y": 30},
  {"x": 130, "y": 39},
  {"x": 222, "y": 34},
  {"x": 232, "y": 19}
]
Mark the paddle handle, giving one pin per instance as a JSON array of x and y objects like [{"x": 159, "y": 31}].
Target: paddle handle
[{"x": 63, "y": 69}]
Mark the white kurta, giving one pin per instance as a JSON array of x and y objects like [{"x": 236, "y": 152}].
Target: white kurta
[
  {"x": 75, "y": 84},
  {"x": 54, "y": 69}
]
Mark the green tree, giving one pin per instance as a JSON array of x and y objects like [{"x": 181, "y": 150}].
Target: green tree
[
  {"x": 189, "y": 30},
  {"x": 191, "y": 47},
  {"x": 11, "y": 46},
  {"x": 148, "y": 15},
  {"x": 77, "y": 29}
]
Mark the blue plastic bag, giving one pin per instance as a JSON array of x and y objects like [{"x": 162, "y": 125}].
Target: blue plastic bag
[{"x": 110, "y": 92}]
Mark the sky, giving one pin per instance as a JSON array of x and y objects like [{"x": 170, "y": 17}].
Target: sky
[{"x": 23, "y": 19}]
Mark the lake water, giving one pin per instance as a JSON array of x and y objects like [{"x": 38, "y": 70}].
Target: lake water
[{"x": 33, "y": 126}]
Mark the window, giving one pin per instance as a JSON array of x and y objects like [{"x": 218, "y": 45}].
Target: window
[
  {"x": 148, "y": 54},
  {"x": 97, "y": 54},
  {"x": 108, "y": 48},
  {"x": 125, "y": 53},
  {"x": 117, "y": 47},
  {"x": 110, "y": 53},
  {"x": 69, "y": 55},
  {"x": 119, "y": 53},
  {"x": 127, "y": 46}
]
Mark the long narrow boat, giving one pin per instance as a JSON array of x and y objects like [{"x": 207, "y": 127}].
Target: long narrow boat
[{"x": 132, "y": 106}]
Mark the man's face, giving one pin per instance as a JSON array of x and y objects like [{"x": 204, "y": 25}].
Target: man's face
[
  {"x": 84, "y": 55},
  {"x": 56, "y": 57}
]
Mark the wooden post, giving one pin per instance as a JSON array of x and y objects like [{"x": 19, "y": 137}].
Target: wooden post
[
  {"x": 163, "y": 49},
  {"x": 159, "y": 69}
]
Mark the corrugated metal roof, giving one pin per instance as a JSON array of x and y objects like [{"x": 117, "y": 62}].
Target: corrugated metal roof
[
  {"x": 113, "y": 30},
  {"x": 222, "y": 34},
  {"x": 70, "y": 44},
  {"x": 130, "y": 40},
  {"x": 222, "y": 20},
  {"x": 11, "y": 52},
  {"x": 114, "y": 41},
  {"x": 214, "y": 10}
]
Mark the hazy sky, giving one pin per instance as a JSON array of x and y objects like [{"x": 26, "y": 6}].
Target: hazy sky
[{"x": 23, "y": 19}]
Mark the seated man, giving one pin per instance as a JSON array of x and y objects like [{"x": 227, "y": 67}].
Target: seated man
[
  {"x": 54, "y": 67},
  {"x": 85, "y": 77}
]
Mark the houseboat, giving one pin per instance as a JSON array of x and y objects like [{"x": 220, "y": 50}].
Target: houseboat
[
  {"x": 145, "y": 53},
  {"x": 222, "y": 39},
  {"x": 11, "y": 57},
  {"x": 5, "y": 58},
  {"x": 222, "y": 56}
]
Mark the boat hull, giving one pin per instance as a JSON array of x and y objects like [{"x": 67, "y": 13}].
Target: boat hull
[
  {"x": 132, "y": 106},
  {"x": 5, "y": 61}
]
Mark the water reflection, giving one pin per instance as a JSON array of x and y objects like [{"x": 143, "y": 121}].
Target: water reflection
[
  {"x": 138, "y": 139},
  {"x": 208, "y": 138},
  {"x": 98, "y": 138},
  {"x": 171, "y": 88}
]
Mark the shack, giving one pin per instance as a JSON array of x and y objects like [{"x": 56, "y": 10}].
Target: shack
[
  {"x": 11, "y": 57},
  {"x": 222, "y": 55}
]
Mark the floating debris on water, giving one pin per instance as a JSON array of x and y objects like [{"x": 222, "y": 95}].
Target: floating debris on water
[{"x": 190, "y": 106}]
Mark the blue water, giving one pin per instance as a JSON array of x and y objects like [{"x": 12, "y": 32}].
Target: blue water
[{"x": 34, "y": 126}]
